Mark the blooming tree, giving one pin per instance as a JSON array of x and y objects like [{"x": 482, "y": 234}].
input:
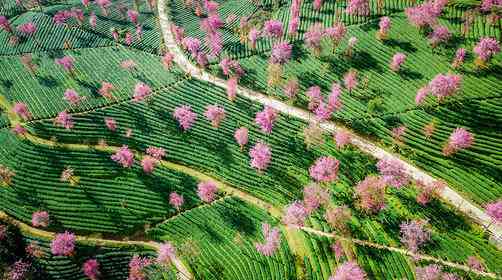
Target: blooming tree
[
  {"x": 325, "y": 169},
  {"x": 426, "y": 192},
  {"x": 414, "y": 234},
  {"x": 260, "y": 155},
  {"x": 18, "y": 271},
  {"x": 266, "y": 119},
  {"x": 273, "y": 29},
  {"x": 315, "y": 196},
  {"x": 67, "y": 62},
  {"x": 91, "y": 269},
  {"x": 206, "y": 191},
  {"x": 349, "y": 270},
  {"x": 124, "y": 157},
  {"x": 272, "y": 238},
  {"x": 430, "y": 272},
  {"x": 215, "y": 114},
  {"x": 141, "y": 92},
  {"x": 494, "y": 210},
  {"x": 393, "y": 172},
  {"x": 167, "y": 252},
  {"x": 21, "y": 109},
  {"x": 291, "y": 88},
  {"x": 384, "y": 27},
  {"x": 137, "y": 266},
  {"x": 459, "y": 58},
  {"x": 40, "y": 219},
  {"x": 397, "y": 60},
  {"x": 440, "y": 34},
  {"x": 148, "y": 163},
  {"x": 459, "y": 139},
  {"x": 63, "y": 244},
  {"x": 342, "y": 138},
  {"x": 295, "y": 214},
  {"x": 65, "y": 120},
  {"x": 157, "y": 153},
  {"x": 105, "y": 89},
  {"x": 241, "y": 137},
  {"x": 111, "y": 124},
  {"x": 338, "y": 217},
  {"x": 176, "y": 200},
  {"x": 485, "y": 49},
  {"x": 475, "y": 263},
  {"x": 72, "y": 97},
  {"x": 371, "y": 194},
  {"x": 350, "y": 80},
  {"x": 335, "y": 33},
  {"x": 358, "y": 7},
  {"x": 185, "y": 116},
  {"x": 312, "y": 38}
]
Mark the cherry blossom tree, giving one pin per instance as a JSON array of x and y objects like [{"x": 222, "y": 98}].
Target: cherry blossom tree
[
  {"x": 350, "y": 80},
  {"x": 266, "y": 119},
  {"x": 337, "y": 248},
  {"x": 65, "y": 120},
  {"x": 261, "y": 155},
  {"x": 459, "y": 139},
  {"x": 384, "y": 27},
  {"x": 105, "y": 89},
  {"x": 312, "y": 38},
  {"x": 72, "y": 97},
  {"x": 351, "y": 43},
  {"x": 335, "y": 33},
  {"x": 398, "y": 133},
  {"x": 141, "y": 92},
  {"x": 459, "y": 58},
  {"x": 425, "y": 14},
  {"x": 318, "y": 4},
  {"x": 206, "y": 191},
  {"x": 393, "y": 172},
  {"x": 21, "y": 109},
  {"x": 475, "y": 263},
  {"x": 91, "y": 269},
  {"x": 93, "y": 20},
  {"x": 421, "y": 95},
  {"x": 148, "y": 163},
  {"x": 349, "y": 270},
  {"x": 325, "y": 169},
  {"x": 67, "y": 62},
  {"x": 215, "y": 114},
  {"x": 358, "y": 7},
  {"x": 124, "y": 156},
  {"x": 440, "y": 34},
  {"x": 241, "y": 137},
  {"x": 5, "y": 25},
  {"x": 426, "y": 192},
  {"x": 185, "y": 116},
  {"x": 314, "y": 196},
  {"x": 430, "y": 272},
  {"x": 485, "y": 49},
  {"x": 414, "y": 234},
  {"x": 176, "y": 200},
  {"x": 272, "y": 237},
  {"x": 155, "y": 152},
  {"x": 19, "y": 270},
  {"x": 371, "y": 194},
  {"x": 19, "y": 130},
  {"x": 40, "y": 219},
  {"x": 295, "y": 214},
  {"x": 397, "y": 60},
  {"x": 103, "y": 5},
  {"x": 232, "y": 88},
  {"x": 494, "y": 210},
  {"x": 111, "y": 124},
  {"x": 166, "y": 254},
  {"x": 27, "y": 61},
  {"x": 280, "y": 55},
  {"x": 27, "y": 29},
  {"x": 273, "y": 29},
  {"x": 137, "y": 266},
  {"x": 338, "y": 217},
  {"x": 291, "y": 88},
  {"x": 253, "y": 36},
  {"x": 342, "y": 138},
  {"x": 63, "y": 244}
]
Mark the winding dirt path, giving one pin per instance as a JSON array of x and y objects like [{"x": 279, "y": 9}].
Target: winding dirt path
[
  {"x": 183, "y": 272},
  {"x": 448, "y": 194}
]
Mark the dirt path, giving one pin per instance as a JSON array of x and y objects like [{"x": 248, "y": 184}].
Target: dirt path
[
  {"x": 399, "y": 250},
  {"x": 448, "y": 194},
  {"x": 183, "y": 272}
]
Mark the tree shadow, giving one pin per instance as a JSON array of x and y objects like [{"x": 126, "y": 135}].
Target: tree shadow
[
  {"x": 405, "y": 46},
  {"x": 408, "y": 74},
  {"x": 47, "y": 81}
]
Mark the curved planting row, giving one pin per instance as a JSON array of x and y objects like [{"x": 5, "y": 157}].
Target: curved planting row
[
  {"x": 218, "y": 242},
  {"x": 103, "y": 198}
]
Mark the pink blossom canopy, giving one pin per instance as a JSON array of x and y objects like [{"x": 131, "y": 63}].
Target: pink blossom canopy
[
  {"x": 272, "y": 238},
  {"x": 295, "y": 214},
  {"x": 124, "y": 157},
  {"x": 206, "y": 191},
  {"x": 215, "y": 114},
  {"x": 371, "y": 193},
  {"x": 21, "y": 109},
  {"x": 266, "y": 119},
  {"x": 393, "y": 172},
  {"x": 459, "y": 139},
  {"x": 494, "y": 210},
  {"x": 397, "y": 60},
  {"x": 281, "y": 53},
  {"x": 91, "y": 269},
  {"x": 40, "y": 219},
  {"x": 273, "y": 29},
  {"x": 141, "y": 92},
  {"x": 63, "y": 244},
  {"x": 325, "y": 169},
  {"x": 185, "y": 117},
  {"x": 349, "y": 270},
  {"x": 176, "y": 200},
  {"x": 66, "y": 62},
  {"x": 260, "y": 156},
  {"x": 241, "y": 136},
  {"x": 486, "y": 48},
  {"x": 167, "y": 252},
  {"x": 65, "y": 120},
  {"x": 414, "y": 234}
]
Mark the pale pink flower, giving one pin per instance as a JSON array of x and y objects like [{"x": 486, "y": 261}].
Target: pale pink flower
[
  {"x": 128, "y": 39},
  {"x": 334, "y": 99},
  {"x": 63, "y": 244},
  {"x": 393, "y": 172},
  {"x": 65, "y": 120},
  {"x": 72, "y": 97},
  {"x": 21, "y": 109},
  {"x": 148, "y": 163},
  {"x": 128, "y": 65},
  {"x": 459, "y": 58},
  {"x": 273, "y": 29},
  {"x": 66, "y": 62},
  {"x": 4, "y": 24},
  {"x": 414, "y": 234},
  {"x": 40, "y": 219},
  {"x": 291, "y": 88},
  {"x": 167, "y": 60},
  {"x": 260, "y": 156},
  {"x": 350, "y": 80},
  {"x": 430, "y": 272},
  {"x": 317, "y": 4},
  {"x": 315, "y": 97},
  {"x": 215, "y": 114},
  {"x": 336, "y": 32},
  {"x": 337, "y": 247},
  {"x": 398, "y": 133},
  {"x": 106, "y": 89},
  {"x": 281, "y": 53},
  {"x": 27, "y": 29},
  {"x": 185, "y": 116},
  {"x": 358, "y": 7},
  {"x": 141, "y": 92},
  {"x": 133, "y": 16},
  {"x": 295, "y": 214},
  {"x": 167, "y": 252},
  {"x": 253, "y": 36},
  {"x": 93, "y": 20},
  {"x": 157, "y": 153},
  {"x": 440, "y": 34},
  {"x": 124, "y": 157},
  {"x": 111, "y": 124},
  {"x": 206, "y": 191},
  {"x": 241, "y": 137},
  {"x": 486, "y": 48},
  {"x": 266, "y": 119},
  {"x": 19, "y": 129},
  {"x": 176, "y": 200},
  {"x": 459, "y": 139},
  {"x": 91, "y": 269},
  {"x": 494, "y": 210},
  {"x": 325, "y": 169},
  {"x": 315, "y": 196},
  {"x": 338, "y": 217},
  {"x": 421, "y": 95},
  {"x": 475, "y": 263},
  {"x": 342, "y": 138},
  {"x": 272, "y": 238},
  {"x": 137, "y": 267},
  {"x": 397, "y": 60},
  {"x": 384, "y": 27},
  {"x": 349, "y": 271},
  {"x": 371, "y": 194},
  {"x": 232, "y": 88}
]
